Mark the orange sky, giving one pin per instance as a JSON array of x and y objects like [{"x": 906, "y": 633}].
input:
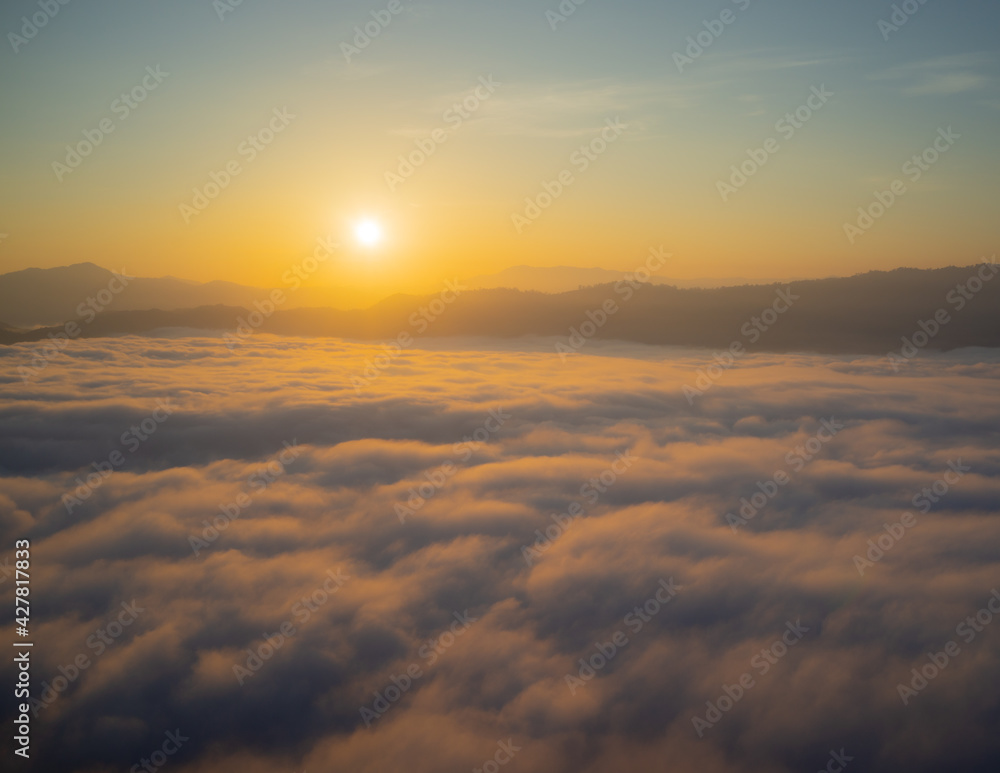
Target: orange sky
[{"x": 316, "y": 132}]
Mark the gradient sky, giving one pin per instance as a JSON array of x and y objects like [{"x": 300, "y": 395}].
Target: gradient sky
[{"x": 655, "y": 185}]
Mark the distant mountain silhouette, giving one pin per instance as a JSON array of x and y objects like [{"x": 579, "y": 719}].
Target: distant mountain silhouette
[
  {"x": 561, "y": 279},
  {"x": 868, "y": 313},
  {"x": 115, "y": 323},
  {"x": 37, "y": 296}
]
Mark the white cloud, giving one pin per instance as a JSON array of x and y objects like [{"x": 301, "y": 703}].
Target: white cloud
[{"x": 333, "y": 507}]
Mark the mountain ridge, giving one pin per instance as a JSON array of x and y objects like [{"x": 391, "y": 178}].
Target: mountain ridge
[
  {"x": 866, "y": 313},
  {"x": 47, "y": 296}
]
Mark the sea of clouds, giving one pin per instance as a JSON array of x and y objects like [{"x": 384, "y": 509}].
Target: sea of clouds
[{"x": 289, "y": 573}]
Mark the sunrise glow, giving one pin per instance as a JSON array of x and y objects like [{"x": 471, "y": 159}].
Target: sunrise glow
[
  {"x": 507, "y": 386},
  {"x": 368, "y": 233}
]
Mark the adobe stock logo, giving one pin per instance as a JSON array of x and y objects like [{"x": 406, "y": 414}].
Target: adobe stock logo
[
  {"x": 363, "y": 37},
  {"x": 454, "y": 117},
  {"x": 701, "y": 41},
  {"x": 968, "y": 630},
  {"x": 901, "y": 14},
  {"x": 123, "y": 106},
  {"x": 562, "y": 12},
  {"x": 222, "y": 7},
  {"x": 30, "y": 27},
  {"x": 250, "y": 149},
  {"x": 787, "y": 127},
  {"x": 636, "y": 620},
  {"x": 914, "y": 169},
  {"x": 581, "y": 158},
  {"x": 505, "y": 753},
  {"x": 762, "y": 662}
]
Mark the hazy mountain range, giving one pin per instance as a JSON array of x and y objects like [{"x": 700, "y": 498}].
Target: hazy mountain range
[
  {"x": 37, "y": 296},
  {"x": 561, "y": 279},
  {"x": 867, "y": 313}
]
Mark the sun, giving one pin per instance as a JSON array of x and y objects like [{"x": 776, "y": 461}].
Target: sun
[{"x": 368, "y": 233}]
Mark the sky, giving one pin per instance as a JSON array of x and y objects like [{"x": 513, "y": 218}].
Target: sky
[{"x": 334, "y": 112}]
